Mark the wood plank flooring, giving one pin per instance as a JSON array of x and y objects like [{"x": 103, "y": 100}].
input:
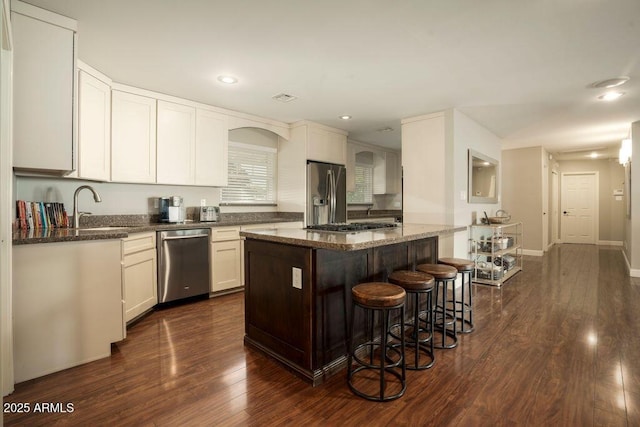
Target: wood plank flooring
[{"x": 557, "y": 345}]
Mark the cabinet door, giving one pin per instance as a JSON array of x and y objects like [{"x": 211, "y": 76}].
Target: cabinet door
[
  {"x": 226, "y": 265},
  {"x": 176, "y": 143},
  {"x": 140, "y": 283},
  {"x": 393, "y": 173},
  {"x": 133, "y": 138},
  {"x": 351, "y": 167},
  {"x": 212, "y": 142},
  {"x": 43, "y": 95},
  {"x": 94, "y": 128},
  {"x": 386, "y": 179},
  {"x": 326, "y": 146}
]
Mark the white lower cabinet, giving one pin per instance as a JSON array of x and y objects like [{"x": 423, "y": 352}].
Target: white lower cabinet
[
  {"x": 139, "y": 274},
  {"x": 67, "y": 305},
  {"x": 226, "y": 258}
]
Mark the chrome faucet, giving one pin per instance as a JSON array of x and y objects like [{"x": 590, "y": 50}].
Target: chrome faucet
[
  {"x": 369, "y": 210},
  {"x": 76, "y": 215}
]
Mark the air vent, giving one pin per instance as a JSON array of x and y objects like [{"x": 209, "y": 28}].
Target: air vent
[{"x": 283, "y": 97}]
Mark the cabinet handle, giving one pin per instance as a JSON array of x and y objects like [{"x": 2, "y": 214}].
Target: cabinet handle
[{"x": 185, "y": 237}]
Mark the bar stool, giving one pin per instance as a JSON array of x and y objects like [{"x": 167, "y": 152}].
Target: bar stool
[
  {"x": 416, "y": 284},
  {"x": 445, "y": 316},
  {"x": 381, "y": 298},
  {"x": 464, "y": 306}
]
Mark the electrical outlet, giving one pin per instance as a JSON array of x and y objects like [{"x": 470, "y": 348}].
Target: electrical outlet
[
  {"x": 203, "y": 202},
  {"x": 296, "y": 277}
]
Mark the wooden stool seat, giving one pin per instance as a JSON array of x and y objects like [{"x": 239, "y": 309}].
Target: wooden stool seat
[
  {"x": 412, "y": 280},
  {"x": 378, "y": 295},
  {"x": 460, "y": 264},
  {"x": 439, "y": 271}
]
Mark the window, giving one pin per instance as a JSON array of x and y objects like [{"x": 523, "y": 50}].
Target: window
[
  {"x": 252, "y": 175},
  {"x": 364, "y": 185}
]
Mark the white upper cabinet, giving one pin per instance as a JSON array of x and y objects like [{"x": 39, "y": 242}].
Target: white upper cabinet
[
  {"x": 94, "y": 127},
  {"x": 212, "y": 142},
  {"x": 351, "y": 167},
  {"x": 326, "y": 146},
  {"x": 176, "y": 143},
  {"x": 386, "y": 173},
  {"x": 133, "y": 138},
  {"x": 43, "y": 90}
]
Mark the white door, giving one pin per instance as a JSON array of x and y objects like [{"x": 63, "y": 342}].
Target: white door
[
  {"x": 545, "y": 204},
  {"x": 554, "y": 207},
  {"x": 579, "y": 208}
]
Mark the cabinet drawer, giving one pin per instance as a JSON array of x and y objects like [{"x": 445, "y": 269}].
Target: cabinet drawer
[
  {"x": 221, "y": 234},
  {"x": 138, "y": 242}
]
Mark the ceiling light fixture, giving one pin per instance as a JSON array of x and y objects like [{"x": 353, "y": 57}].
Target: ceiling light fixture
[
  {"x": 610, "y": 96},
  {"x": 345, "y": 117},
  {"x": 624, "y": 156},
  {"x": 609, "y": 83},
  {"x": 593, "y": 155},
  {"x": 387, "y": 129},
  {"x": 227, "y": 80}
]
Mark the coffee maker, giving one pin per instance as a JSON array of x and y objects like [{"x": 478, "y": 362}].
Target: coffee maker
[{"x": 172, "y": 209}]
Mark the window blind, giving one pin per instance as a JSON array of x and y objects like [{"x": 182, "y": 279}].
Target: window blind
[
  {"x": 252, "y": 174},
  {"x": 364, "y": 185}
]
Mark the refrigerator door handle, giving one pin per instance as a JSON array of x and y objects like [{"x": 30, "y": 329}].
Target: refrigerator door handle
[
  {"x": 334, "y": 197},
  {"x": 329, "y": 196}
]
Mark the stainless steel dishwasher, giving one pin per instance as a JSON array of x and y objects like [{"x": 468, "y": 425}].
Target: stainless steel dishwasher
[{"x": 183, "y": 263}]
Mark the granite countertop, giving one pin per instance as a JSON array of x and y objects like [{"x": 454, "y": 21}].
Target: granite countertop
[
  {"x": 355, "y": 240},
  {"x": 117, "y": 228},
  {"x": 372, "y": 214}
]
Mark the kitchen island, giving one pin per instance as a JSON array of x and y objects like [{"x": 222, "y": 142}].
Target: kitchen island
[{"x": 298, "y": 287}]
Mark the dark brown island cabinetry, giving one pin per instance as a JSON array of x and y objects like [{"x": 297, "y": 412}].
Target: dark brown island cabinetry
[{"x": 301, "y": 321}]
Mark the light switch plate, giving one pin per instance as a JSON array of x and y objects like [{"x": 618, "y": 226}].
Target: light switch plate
[{"x": 296, "y": 277}]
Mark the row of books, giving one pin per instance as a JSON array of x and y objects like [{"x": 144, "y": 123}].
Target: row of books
[{"x": 41, "y": 215}]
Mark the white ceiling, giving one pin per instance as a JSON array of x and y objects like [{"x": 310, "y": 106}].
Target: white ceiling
[{"x": 520, "y": 68}]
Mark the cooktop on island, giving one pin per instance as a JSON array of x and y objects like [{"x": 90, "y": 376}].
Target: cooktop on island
[{"x": 350, "y": 228}]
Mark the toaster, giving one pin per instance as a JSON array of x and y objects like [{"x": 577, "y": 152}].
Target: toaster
[{"x": 209, "y": 213}]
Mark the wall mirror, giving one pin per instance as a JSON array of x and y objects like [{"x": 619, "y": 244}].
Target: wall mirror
[{"x": 483, "y": 178}]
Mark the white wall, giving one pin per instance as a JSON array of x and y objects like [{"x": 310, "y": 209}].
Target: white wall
[
  {"x": 435, "y": 165},
  {"x": 116, "y": 198},
  {"x": 6, "y": 206},
  {"x": 632, "y": 223},
  {"x": 468, "y": 134}
]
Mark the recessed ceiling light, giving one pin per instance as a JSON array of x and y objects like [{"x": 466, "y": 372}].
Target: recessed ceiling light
[
  {"x": 609, "y": 83},
  {"x": 227, "y": 79},
  {"x": 345, "y": 117},
  {"x": 593, "y": 155},
  {"x": 610, "y": 96},
  {"x": 387, "y": 129}
]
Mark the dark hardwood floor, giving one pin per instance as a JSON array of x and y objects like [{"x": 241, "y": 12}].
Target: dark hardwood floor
[{"x": 557, "y": 345}]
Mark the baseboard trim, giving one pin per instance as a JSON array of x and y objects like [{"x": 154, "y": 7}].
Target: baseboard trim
[
  {"x": 633, "y": 272},
  {"x": 532, "y": 252},
  {"x": 609, "y": 242}
]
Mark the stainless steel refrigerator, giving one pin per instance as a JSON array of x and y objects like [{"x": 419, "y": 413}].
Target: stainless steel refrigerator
[{"x": 326, "y": 193}]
